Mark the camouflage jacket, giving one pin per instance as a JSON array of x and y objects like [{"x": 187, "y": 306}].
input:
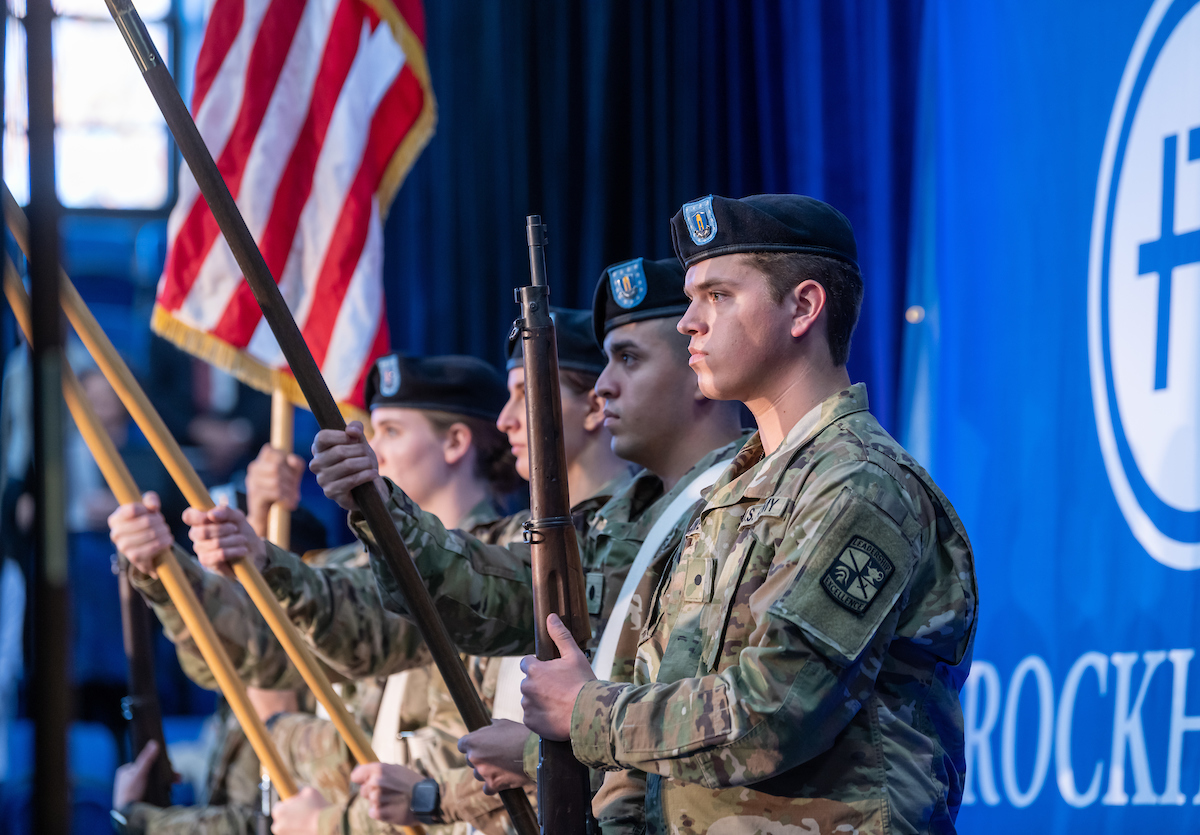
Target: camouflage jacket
[
  {"x": 331, "y": 598},
  {"x": 801, "y": 663},
  {"x": 484, "y": 592},
  {"x": 233, "y": 796},
  {"x": 463, "y": 799}
]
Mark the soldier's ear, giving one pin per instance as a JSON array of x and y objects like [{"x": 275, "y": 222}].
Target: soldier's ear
[
  {"x": 456, "y": 443},
  {"x": 594, "y": 418},
  {"x": 805, "y": 302}
]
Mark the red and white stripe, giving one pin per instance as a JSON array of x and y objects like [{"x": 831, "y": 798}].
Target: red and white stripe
[{"x": 304, "y": 104}]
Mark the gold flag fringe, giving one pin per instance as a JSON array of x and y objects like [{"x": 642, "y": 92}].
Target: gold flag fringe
[{"x": 238, "y": 363}]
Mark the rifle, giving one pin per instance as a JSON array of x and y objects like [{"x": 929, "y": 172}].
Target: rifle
[
  {"x": 140, "y": 707},
  {"x": 564, "y": 785},
  {"x": 308, "y": 376}
]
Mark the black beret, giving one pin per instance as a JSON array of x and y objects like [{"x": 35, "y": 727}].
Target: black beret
[
  {"x": 716, "y": 225},
  {"x": 458, "y": 384},
  {"x": 635, "y": 290},
  {"x": 576, "y": 348}
]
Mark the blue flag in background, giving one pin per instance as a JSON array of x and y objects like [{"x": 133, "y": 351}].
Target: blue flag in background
[{"x": 1052, "y": 386}]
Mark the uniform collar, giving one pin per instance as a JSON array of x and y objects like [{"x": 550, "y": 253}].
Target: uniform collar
[
  {"x": 483, "y": 513},
  {"x": 751, "y": 476},
  {"x": 636, "y": 504}
]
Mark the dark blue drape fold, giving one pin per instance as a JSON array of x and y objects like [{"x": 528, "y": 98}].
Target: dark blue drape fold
[{"x": 605, "y": 117}]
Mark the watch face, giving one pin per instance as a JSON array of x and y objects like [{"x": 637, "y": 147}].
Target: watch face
[{"x": 426, "y": 797}]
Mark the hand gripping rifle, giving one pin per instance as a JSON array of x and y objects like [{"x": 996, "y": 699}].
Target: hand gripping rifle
[
  {"x": 279, "y": 318},
  {"x": 564, "y": 788}
]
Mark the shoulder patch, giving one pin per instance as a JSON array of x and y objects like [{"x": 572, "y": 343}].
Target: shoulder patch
[
  {"x": 857, "y": 566},
  {"x": 700, "y": 220},
  {"x": 628, "y": 283},
  {"x": 854, "y": 579}
]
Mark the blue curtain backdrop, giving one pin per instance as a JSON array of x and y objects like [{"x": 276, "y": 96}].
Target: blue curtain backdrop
[{"x": 605, "y": 117}]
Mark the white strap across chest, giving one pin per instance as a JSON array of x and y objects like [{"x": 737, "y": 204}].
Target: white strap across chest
[
  {"x": 386, "y": 740},
  {"x": 507, "y": 704},
  {"x": 508, "y": 685},
  {"x": 605, "y": 653}
]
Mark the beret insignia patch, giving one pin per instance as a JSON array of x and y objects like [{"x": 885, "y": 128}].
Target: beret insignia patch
[
  {"x": 701, "y": 222},
  {"x": 389, "y": 375},
  {"x": 628, "y": 283},
  {"x": 856, "y": 576}
]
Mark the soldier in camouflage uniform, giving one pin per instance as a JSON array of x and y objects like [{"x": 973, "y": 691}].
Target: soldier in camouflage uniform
[
  {"x": 350, "y": 630},
  {"x": 799, "y": 670},
  {"x": 232, "y": 799},
  {"x": 417, "y": 419},
  {"x": 658, "y": 418}
]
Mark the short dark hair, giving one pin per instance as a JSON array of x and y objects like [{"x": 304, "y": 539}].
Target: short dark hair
[
  {"x": 843, "y": 290},
  {"x": 494, "y": 461},
  {"x": 578, "y": 381}
]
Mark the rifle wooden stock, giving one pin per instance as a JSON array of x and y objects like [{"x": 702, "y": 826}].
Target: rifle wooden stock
[
  {"x": 121, "y": 482},
  {"x": 308, "y": 376},
  {"x": 564, "y": 787},
  {"x": 141, "y": 707}
]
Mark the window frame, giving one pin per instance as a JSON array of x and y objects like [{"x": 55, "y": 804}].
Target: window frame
[{"x": 176, "y": 37}]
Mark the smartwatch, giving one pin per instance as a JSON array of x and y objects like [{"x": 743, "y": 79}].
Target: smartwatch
[
  {"x": 120, "y": 823},
  {"x": 426, "y": 801}
]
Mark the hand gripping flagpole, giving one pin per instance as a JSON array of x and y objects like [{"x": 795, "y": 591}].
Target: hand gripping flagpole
[
  {"x": 279, "y": 318},
  {"x": 167, "y": 448},
  {"x": 121, "y": 482}
]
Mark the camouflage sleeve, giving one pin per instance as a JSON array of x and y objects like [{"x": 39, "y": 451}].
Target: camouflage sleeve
[
  {"x": 796, "y": 683},
  {"x": 531, "y": 755},
  {"x": 256, "y": 655},
  {"x": 337, "y": 609},
  {"x": 318, "y": 757},
  {"x": 313, "y": 751},
  {"x": 146, "y": 819},
  {"x": 620, "y": 804},
  {"x": 482, "y": 592},
  {"x": 463, "y": 798}
]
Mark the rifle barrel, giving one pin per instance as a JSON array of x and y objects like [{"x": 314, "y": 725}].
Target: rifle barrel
[
  {"x": 564, "y": 787},
  {"x": 141, "y": 705}
]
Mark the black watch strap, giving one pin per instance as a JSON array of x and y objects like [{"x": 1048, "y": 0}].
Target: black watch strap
[{"x": 426, "y": 801}]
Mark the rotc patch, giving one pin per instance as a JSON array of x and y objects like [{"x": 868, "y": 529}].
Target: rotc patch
[
  {"x": 628, "y": 283},
  {"x": 700, "y": 220},
  {"x": 389, "y": 375},
  {"x": 857, "y": 575}
]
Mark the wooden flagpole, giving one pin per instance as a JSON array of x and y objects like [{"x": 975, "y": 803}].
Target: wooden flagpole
[
  {"x": 278, "y": 316},
  {"x": 121, "y": 482},
  {"x": 283, "y": 424},
  {"x": 184, "y": 475}
]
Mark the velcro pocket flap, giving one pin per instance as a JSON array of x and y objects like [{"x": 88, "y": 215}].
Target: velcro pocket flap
[
  {"x": 856, "y": 571},
  {"x": 699, "y": 574}
]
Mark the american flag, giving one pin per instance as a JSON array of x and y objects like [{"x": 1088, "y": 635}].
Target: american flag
[{"x": 314, "y": 111}]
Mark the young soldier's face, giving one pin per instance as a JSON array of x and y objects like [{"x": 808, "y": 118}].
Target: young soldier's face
[
  {"x": 576, "y": 412},
  {"x": 410, "y": 452},
  {"x": 512, "y": 421},
  {"x": 739, "y": 335},
  {"x": 647, "y": 386}
]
